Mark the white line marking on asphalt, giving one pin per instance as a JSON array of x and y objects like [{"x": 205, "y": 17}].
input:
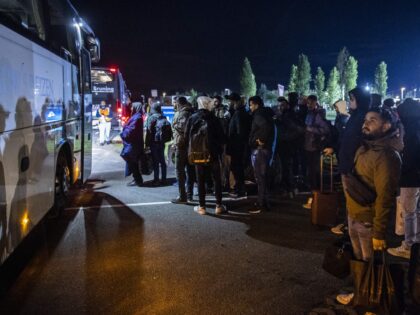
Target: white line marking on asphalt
[{"x": 121, "y": 205}]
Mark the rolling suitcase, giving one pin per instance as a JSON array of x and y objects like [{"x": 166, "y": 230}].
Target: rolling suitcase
[{"x": 325, "y": 203}]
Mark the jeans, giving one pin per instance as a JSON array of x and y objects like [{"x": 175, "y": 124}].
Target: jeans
[
  {"x": 260, "y": 159},
  {"x": 181, "y": 164},
  {"x": 158, "y": 157},
  {"x": 361, "y": 234},
  {"x": 214, "y": 168},
  {"x": 409, "y": 198}
]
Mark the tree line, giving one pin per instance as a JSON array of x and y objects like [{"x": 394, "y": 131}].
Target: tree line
[{"x": 342, "y": 78}]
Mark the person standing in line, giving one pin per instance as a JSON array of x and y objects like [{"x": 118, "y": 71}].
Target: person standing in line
[
  {"x": 223, "y": 115},
  {"x": 237, "y": 146},
  {"x": 261, "y": 142},
  {"x": 184, "y": 111},
  {"x": 316, "y": 132},
  {"x": 377, "y": 167},
  {"x": 133, "y": 144},
  {"x": 289, "y": 133},
  {"x": 409, "y": 113},
  {"x": 350, "y": 139},
  {"x": 204, "y": 138},
  {"x": 157, "y": 147},
  {"x": 104, "y": 114}
]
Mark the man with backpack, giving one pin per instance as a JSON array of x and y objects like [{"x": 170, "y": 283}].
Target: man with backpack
[
  {"x": 181, "y": 154},
  {"x": 158, "y": 132},
  {"x": 204, "y": 139}
]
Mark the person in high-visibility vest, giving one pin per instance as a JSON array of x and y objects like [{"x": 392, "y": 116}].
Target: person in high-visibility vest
[{"x": 104, "y": 114}]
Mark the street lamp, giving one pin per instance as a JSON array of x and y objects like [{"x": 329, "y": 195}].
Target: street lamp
[
  {"x": 415, "y": 93},
  {"x": 402, "y": 93}
]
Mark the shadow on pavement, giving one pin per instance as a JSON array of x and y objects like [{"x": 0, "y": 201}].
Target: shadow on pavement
[
  {"x": 281, "y": 225},
  {"x": 98, "y": 265}
]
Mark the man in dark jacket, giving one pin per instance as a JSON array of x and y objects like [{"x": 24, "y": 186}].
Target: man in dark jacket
[
  {"x": 181, "y": 154},
  {"x": 261, "y": 143},
  {"x": 289, "y": 133},
  {"x": 156, "y": 147},
  {"x": 215, "y": 139},
  {"x": 377, "y": 167},
  {"x": 133, "y": 147},
  {"x": 237, "y": 146},
  {"x": 409, "y": 113}
]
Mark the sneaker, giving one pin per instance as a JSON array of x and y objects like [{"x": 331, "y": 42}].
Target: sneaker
[
  {"x": 400, "y": 251},
  {"x": 190, "y": 199},
  {"x": 345, "y": 299},
  {"x": 179, "y": 200},
  {"x": 233, "y": 194},
  {"x": 339, "y": 229},
  {"x": 200, "y": 210},
  {"x": 256, "y": 209},
  {"x": 134, "y": 183},
  {"x": 308, "y": 204},
  {"x": 220, "y": 209}
]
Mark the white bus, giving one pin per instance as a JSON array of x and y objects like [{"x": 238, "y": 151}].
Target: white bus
[
  {"x": 45, "y": 111},
  {"x": 108, "y": 85}
]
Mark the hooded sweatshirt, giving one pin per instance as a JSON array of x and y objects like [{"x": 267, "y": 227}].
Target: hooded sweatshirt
[
  {"x": 377, "y": 165},
  {"x": 351, "y": 137}
]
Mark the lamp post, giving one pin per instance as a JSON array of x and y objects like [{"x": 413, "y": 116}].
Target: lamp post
[
  {"x": 402, "y": 93},
  {"x": 415, "y": 93}
]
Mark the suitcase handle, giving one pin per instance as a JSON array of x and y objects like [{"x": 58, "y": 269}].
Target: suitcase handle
[{"x": 322, "y": 171}]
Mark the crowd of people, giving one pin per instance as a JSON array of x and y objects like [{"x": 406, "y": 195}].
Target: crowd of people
[{"x": 376, "y": 144}]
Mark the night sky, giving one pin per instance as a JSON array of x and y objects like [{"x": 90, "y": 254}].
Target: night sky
[{"x": 178, "y": 45}]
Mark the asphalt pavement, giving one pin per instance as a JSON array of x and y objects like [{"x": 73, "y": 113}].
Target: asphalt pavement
[{"x": 128, "y": 250}]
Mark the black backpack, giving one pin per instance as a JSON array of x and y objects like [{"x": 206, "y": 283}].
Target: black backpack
[
  {"x": 198, "y": 146},
  {"x": 163, "y": 130}
]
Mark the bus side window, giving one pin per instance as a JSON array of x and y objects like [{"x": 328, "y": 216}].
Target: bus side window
[{"x": 26, "y": 14}]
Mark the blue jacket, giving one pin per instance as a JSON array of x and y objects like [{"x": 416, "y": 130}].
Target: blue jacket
[
  {"x": 350, "y": 141},
  {"x": 132, "y": 136}
]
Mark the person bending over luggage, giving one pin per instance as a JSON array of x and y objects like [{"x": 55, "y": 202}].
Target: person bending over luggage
[{"x": 204, "y": 138}]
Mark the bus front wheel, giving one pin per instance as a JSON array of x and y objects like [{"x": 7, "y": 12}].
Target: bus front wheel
[{"x": 62, "y": 185}]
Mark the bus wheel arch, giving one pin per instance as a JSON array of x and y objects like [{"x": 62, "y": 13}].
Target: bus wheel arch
[{"x": 63, "y": 179}]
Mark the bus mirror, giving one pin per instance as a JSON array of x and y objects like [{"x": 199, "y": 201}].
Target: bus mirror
[{"x": 94, "y": 48}]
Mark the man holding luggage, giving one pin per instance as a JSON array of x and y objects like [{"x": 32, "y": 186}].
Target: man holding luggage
[{"x": 377, "y": 169}]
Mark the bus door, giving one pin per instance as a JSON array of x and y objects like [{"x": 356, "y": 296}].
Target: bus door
[{"x": 86, "y": 115}]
